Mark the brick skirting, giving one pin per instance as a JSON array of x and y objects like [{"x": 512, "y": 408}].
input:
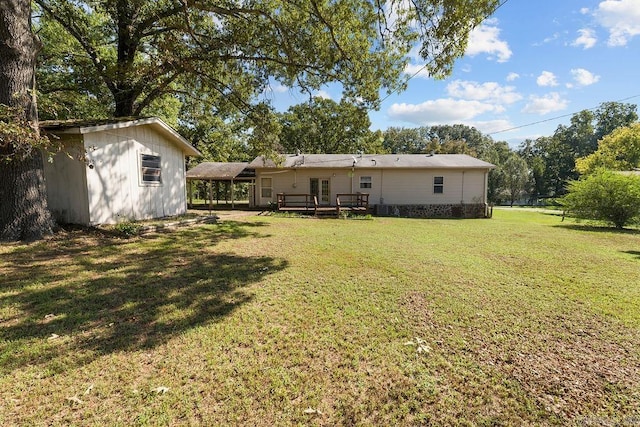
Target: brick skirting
[{"x": 471, "y": 210}]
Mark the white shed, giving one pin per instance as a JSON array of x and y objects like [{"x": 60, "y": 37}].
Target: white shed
[{"x": 115, "y": 170}]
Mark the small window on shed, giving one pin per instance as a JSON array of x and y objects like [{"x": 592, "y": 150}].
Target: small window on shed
[
  {"x": 438, "y": 184},
  {"x": 150, "y": 168},
  {"x": 365, "y": 182}
]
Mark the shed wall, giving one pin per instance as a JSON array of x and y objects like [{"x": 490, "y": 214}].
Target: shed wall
[
  {"x": 67, "y": 184},
  {"x": 114, "y": 185}
]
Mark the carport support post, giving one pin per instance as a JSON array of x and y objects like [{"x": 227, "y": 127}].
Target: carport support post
[
  {"x": 190, "y": 189},
  {"x": 210, "y": 197},
  {"x": 232, "y": 195}
]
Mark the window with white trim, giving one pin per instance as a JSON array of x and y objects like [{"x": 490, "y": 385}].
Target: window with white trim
[
  {"x": 365, "y": 182},
  {"x": 438, "y": 184},
  {"x": 150, "y": 169},
  {"x": 266, "y": 187}
]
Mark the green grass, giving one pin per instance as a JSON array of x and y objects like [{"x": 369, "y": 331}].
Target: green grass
[{"x": 517, "y": 320}]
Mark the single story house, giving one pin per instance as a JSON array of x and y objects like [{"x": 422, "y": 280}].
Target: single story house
[
  {"x": 410, "y": 185},
  {"x": 115, "y": 170}
]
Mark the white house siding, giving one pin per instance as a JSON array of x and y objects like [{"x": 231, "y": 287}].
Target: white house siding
[
  {"x": 114, "y": 185},
  {"x": 67, "y": 184},
  {"x": 413, "y": 187},
  {"x": 388, "y": 186},
  {"x": 298, "y": 181}
]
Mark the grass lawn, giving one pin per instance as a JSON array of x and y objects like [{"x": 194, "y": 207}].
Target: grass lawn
[{"x": 517, "y": 320}]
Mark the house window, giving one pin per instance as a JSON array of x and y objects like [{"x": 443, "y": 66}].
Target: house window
[
  {"x": 438, "y": 184},
  {"x": 150, "y": 169},
  {"x": 365, "y": 182},
  {"x": 265, "y": 188}
]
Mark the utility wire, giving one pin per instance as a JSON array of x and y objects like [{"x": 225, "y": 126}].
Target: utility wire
[{"x": 557, "y": 117}]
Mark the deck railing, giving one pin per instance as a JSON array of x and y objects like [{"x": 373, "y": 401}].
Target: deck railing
[
  {"x": 308, "y": 203},
  {"x": 352, "y": 202},
  {"x": 297, "y": 202}
]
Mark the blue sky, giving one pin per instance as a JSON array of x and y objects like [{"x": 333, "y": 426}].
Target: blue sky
[{"x": 531, "y": 62}]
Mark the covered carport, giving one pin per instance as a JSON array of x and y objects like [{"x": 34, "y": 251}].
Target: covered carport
[{"x": 214, "y": 175}]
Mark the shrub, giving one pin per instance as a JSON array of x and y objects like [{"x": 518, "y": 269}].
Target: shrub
[
  {"x": 605, "y": 195},
  {"x": 128, "y": 228}
]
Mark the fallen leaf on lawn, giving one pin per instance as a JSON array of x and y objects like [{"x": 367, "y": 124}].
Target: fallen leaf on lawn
[
  {"x": 53, "y": 337},
  {"x": 310, "y": 411},
  {"x": 160, "y": 390},
  {"x": 88, "y": 389},
  {"x": 75, "y": 399},
  {"x": 423, "y": 348}
]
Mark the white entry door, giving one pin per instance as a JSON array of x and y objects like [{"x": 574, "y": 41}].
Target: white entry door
[{"x": 319, "y": 187}]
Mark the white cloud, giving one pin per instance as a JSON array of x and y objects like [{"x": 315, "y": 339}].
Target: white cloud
[
  {"x": 584, "y": 77},
  {"x": 546, "y": 40},
  {"x": 547, "y": 78},
  {"x": 322, "y": 94},
  {"x": 440, "y": 111},
  {"x": 279, "y": 88},
  {"x": 584, "y": 11},
  {"x": 488, "y": 91},
  {"x": 416, "y": 70},
  {"x": 621, "y": 18},
  {"x": 486, "y": 39},
  {"x": 545, "y": 104},
  {"x": 512, "y": 76},
  {"x": 587, "y": 38}
]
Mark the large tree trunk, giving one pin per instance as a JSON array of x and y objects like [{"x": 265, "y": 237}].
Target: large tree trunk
[{"x": 23, "y": 197}]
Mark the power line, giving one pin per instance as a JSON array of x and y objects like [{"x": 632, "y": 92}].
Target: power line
[{"x": 556, "y": 118}]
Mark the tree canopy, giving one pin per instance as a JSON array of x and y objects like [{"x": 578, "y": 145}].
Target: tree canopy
[
  {"x": 554, "y": 157},
  {"x": 620, "y": 150},
  {"x": 325, "y": 126},
  {"x": 443, "y": 139},
  {"x": 130, "y": 54}
]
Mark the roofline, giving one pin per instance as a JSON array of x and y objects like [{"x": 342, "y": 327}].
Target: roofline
[
  {"x": 373, "y": 167},
  {"x": 157, "y": 123},
  {"x": 270, "y": 164}
]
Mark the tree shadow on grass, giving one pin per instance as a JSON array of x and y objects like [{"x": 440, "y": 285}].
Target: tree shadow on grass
[
  {"x": 102, "y": 295},
  {"x": 598, "y": 228},
  {"x": 634, "y": 253}
]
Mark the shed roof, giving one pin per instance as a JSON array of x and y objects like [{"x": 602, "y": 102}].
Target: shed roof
[
  {"x": 219, "y": 171},
  {"x": 98, "y": 125},
  {"x": 374, "y": 161}
]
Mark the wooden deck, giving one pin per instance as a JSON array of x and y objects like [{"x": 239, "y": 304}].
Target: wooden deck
[{"x": 308, "y": 204}]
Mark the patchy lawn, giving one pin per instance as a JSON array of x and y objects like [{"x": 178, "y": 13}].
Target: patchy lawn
[{"x": 517, "y": 320}]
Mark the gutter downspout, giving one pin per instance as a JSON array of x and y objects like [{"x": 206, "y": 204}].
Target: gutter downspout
[{"x": 352, "y": 174}]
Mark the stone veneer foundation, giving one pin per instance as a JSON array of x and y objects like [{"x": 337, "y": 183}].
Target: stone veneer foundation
[{"x": 474, "y": 210}]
